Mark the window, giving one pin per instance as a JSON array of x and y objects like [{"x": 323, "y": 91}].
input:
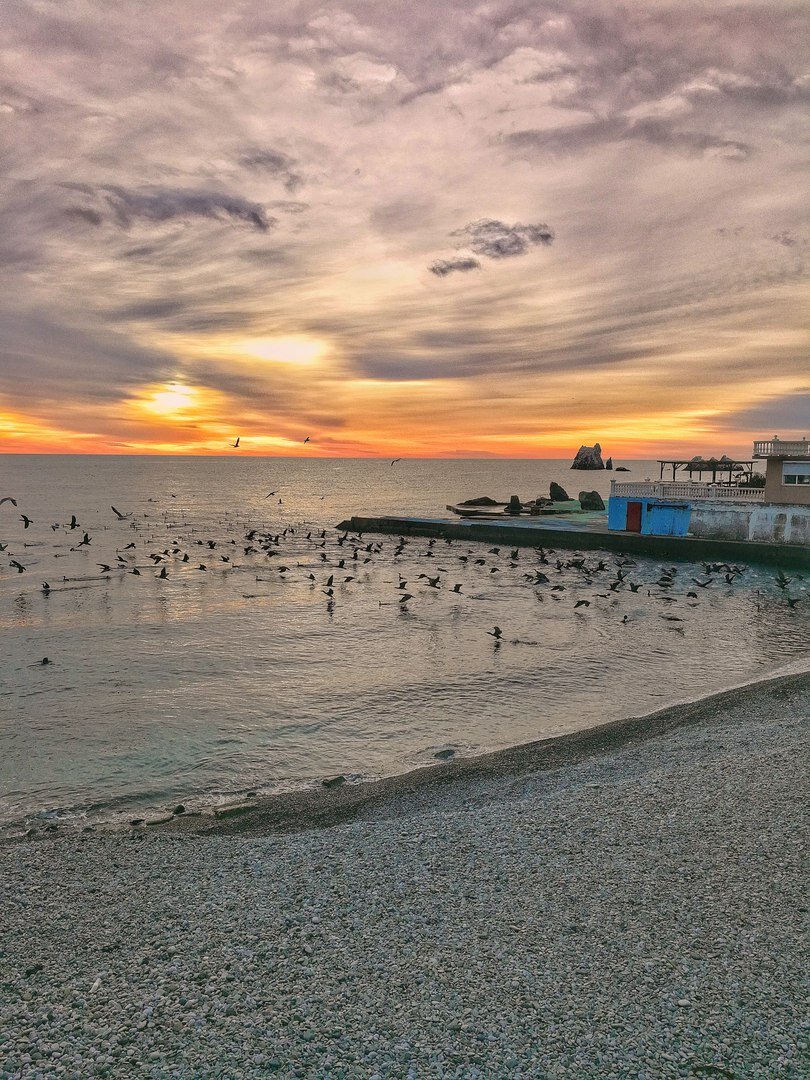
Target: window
[{"x": 796, "y": 472}]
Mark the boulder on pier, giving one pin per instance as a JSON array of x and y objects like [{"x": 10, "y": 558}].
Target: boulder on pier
[{"x": 591, "y": 500}]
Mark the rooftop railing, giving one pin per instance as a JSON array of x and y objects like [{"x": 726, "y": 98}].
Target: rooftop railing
[
  {"x": 684, "y": 491},
  {"x": 782, "y": 448}
]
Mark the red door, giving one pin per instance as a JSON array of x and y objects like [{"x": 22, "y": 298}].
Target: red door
[{"x": 634, "y": 517}]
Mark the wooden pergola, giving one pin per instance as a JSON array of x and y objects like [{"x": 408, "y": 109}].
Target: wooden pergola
[{"x": 733, "y": 468}]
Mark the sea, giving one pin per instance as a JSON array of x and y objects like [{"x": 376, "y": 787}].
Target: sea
[{"x": 221, "y": 638}]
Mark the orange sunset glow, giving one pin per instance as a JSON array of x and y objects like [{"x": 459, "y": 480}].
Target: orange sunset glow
[{"x": 534, "y": 245}]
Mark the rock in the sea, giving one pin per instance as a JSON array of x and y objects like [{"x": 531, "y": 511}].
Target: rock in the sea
[
  {"x": 483, "y": 501},
  {"x": 557, "y": 493},
  {"x": 515, "y": 506},
  {"x": 589, "y": 457},
  {"x": 179, "y": 809},
  {"x": 621, "y": 468},
  {"x": 334, "y": 781},
  {"x": 609, "y": 463},
  {"x": 444, "y": 755},
  {"x": 591, "y": 500}
]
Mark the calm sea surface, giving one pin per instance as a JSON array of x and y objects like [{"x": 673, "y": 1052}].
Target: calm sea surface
[{"x": 243, "y": 677}]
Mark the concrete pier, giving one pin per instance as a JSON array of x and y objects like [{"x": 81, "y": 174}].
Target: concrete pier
[{"x": 588, "y": 536}]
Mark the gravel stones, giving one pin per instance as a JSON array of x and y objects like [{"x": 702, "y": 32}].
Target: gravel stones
[{"x": 637, "y": 915}]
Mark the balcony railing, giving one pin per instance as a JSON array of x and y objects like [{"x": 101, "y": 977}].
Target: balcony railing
[
  {"x": 782, "y": 448},
  {"x": 669, "y": 489}
]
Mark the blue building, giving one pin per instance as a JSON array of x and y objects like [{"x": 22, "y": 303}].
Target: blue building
[{"x": 649, "y": 515}]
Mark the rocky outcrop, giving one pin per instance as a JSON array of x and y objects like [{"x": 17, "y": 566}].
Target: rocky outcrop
[
  {"x": 609, "y": 463},
  {"x": 483, "y": 501},
  {"x": 515, "y": 506},
  {"x": 589, "y": 457},
  {"x": 557, "y": 493},
  {"x": 591, "y": 500},
  {"x": 621, "y": 468}
]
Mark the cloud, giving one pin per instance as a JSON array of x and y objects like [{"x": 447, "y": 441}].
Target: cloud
[
  {"x": 276, "y": 164},
  {"x": 497, "y": 240},
  {"x": 661, "y": 133},
  {"x": 575, "y": 138},
  {"x": 45, "y": 360},
  {"x": 195, "y": 136},
  {"x": 443, "y": 267},
  {"x": 786, "y": 415},
  {"x": 161, "y": 204}
]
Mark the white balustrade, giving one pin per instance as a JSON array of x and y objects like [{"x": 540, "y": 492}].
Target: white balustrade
[
  {"x": 675, "y": 489},
  {"x": 782, "y": 448}
]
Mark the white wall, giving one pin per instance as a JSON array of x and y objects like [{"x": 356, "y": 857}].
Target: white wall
[{"x": 767, "y": 524}]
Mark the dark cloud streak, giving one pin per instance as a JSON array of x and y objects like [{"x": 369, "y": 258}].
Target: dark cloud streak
[
  {"x": 124, "y": 206},
  {"x": 442, "y": 267}
]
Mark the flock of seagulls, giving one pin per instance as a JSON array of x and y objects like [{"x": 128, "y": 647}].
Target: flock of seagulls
[
  {"x": 333, "y": 558},
  {"x": 330, "y": 560}
]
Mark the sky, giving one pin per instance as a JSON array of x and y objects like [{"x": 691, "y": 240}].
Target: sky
[{"x": 428, "y": 228}]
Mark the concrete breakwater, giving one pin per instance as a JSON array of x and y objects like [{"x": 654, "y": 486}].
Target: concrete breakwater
[{"x": 563, "y": 534}]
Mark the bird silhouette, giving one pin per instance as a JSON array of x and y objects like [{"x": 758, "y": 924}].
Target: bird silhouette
[
  {"x": 26, "y": 520},
  {"x": 396, "y": 459},
  {"x": 119, "y": 515},
  {"x": 236, "y": 444},
  {"x": 8, "y": 498},
  {"x": 496, "y": 632},
  {"x": 17, "y": 566},
  {"x": 306, "y": 439}
]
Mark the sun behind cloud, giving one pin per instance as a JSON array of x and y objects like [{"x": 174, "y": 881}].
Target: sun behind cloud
[{"x": 174, "y": 398}]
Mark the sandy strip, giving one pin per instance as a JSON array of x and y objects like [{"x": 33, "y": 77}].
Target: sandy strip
[{"x": 634, "y": 906}]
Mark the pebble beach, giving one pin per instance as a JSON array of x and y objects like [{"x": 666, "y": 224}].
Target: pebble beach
[{"x": 636, "y": 911}]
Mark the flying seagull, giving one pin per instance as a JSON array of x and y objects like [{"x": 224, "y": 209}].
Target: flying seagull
[
  {"x": 236, "y": 444},
  {"x": 26, "y": 520},
  {"x": 306, "y": 439},
  {"x": 8, "y": 498},
  {"x": 119, "y": 515},
  {"x": 396, "y": 459}
]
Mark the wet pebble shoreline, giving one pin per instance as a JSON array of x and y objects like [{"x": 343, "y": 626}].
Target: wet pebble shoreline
[{"x": 639, "y": 914}]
